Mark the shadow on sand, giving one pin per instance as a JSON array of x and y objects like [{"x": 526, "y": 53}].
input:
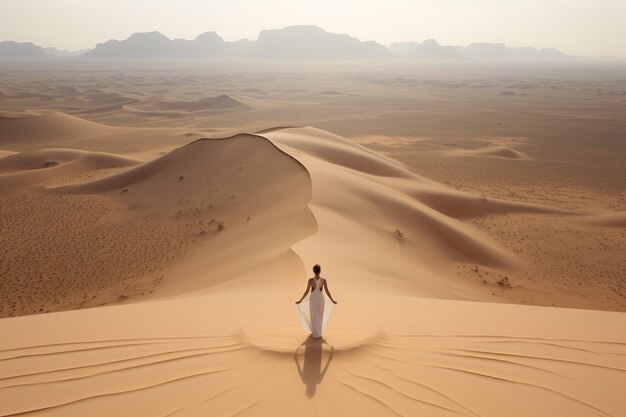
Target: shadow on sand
[{"x": 311, "y": 373}]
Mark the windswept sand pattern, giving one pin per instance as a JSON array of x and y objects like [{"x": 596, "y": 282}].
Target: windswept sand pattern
[
  {"x": 401, "y": 374},
  {"x": 74, "y": 373},
  {"x": 500, "y": 368}
]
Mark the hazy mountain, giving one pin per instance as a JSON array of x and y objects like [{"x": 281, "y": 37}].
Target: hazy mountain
[
  {"x": 485, "y": 51},
  {"x": 534, "y": 53},
  {"x": 240, "y": 48},
  {"x": 57, "y": 52},
  {"x": 501, "y": 51},
  {"x": 430, "y": 49},
  {"x": 402, "y": 48},
  {"x": 207, "y": 44},
  {"x": 157, "y": 45},
  {"x": 10, "y": 49},
  {"x": 312, "y": 42},
  {"x": 141, "y": 45}
]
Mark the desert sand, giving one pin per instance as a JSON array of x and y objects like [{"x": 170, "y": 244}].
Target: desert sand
[{"x": 159, "y": 220}]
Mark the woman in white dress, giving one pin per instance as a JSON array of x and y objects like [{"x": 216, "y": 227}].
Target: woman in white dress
[{"x": 314, "y": 321}]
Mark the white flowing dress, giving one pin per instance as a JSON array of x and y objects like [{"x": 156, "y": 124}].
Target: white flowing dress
[{"x": 315, "y": 310}]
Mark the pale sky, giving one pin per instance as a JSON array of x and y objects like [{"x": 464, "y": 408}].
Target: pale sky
[{"x": 578, "y": 27}]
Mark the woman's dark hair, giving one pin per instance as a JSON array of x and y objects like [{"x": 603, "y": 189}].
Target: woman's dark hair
[{"x": 317, "y": 269}]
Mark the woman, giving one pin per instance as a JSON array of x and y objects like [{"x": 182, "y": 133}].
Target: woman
[{"x": 314, "y": 321}]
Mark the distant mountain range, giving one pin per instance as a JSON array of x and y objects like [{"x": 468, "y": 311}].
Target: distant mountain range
[
  {"x": 293, "y": 42},
  {"x": 430, "y": 49},
  {"x": 157, "y": 45},
  {"x": 10, "y": 49},
  {"x": 312, "y": 42}
]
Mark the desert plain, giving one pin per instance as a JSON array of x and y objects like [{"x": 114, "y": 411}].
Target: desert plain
[{"x": 159, "y": 219}]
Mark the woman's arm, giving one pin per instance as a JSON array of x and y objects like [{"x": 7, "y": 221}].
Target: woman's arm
[
  {"x": 328, "y": 292},
  {"x": 308, "y": 286}
]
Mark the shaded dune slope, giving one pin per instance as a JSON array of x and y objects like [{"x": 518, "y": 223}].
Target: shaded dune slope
[
  {"x": 503, "y": 152},
  {"x": 392, "y": 221},
  {"x": 44, "y": 125},
  {"x": 206, "y": 103},
  {"x": 181, "y": 108},
  {"x": 220, "y": 198},
  {"x": 615, "y": 219},
  {"x": 246, "y": 196},
  {"x": 30, "y": 168}
]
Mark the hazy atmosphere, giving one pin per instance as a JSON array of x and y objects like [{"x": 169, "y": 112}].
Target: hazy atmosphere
[{"x": 577, "y": 27}]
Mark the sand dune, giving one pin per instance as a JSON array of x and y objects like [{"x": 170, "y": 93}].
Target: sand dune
[
  {"x": 617, "y": 219},
  {"x": 173, "y": 108},
  {"x": 235, "y": 192},
  {"x": 408, "y": 232},
  {"x": 40, "y": 126},
  {"x": 48, "y": 158},
  {"x": 463, "y": 205},
  {"x": 206, "y": 103},
  {"x": 30, "y": 168},
  {"x": 495, "y": 152},
  {"x": 221, "y": 194}
]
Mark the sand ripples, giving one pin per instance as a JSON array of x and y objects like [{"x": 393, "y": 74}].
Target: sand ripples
[{"x": 392, "y": 374}]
